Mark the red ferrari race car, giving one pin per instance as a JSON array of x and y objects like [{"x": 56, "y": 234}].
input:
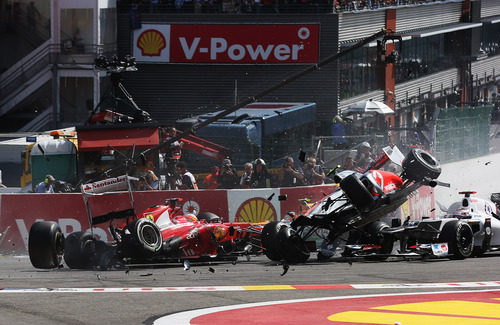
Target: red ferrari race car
[
  {"x": 161, "y": 233},
  {"x": 351, "y": 213}
]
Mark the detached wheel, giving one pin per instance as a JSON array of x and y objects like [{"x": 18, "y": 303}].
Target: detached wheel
[
  {"x": 419, "y": 164},
  {"x": 210, "y": 217},
  {"x": 357, "y": 193},
  {"x": 45, "y": 245},
  {"x": 291, "y": 246},
  {"x": 79, "y": 249},
  {"x": 460, "y": 239},
  {"x": 269, "y": 240},
  {"x": 142, "y": 238}
]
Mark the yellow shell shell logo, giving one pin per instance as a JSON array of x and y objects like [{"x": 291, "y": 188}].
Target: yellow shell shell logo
[
  {"x": 151, "y": 42},
  {"x": 256, "y": 209}
]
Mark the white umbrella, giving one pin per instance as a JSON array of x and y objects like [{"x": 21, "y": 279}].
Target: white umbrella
[{"x": 366, "y": 107}]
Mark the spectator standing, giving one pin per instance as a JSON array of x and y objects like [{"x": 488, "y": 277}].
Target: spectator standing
[
  {"x": 47, "y": 186},
  {"x": 260, "y": 176},
  {"x": 339, "y": 130},
  {"x": 171, "y": 156},
  {"x": 348, "y": 163},
  {"x": 186, "y": 180},
  {"x": 364, "y": 156},
  {"x": 228, "y": 177},
  {"x": 313, "y": 173},
  {"x": 246, "y": 177},
  {"x": 210, "y": 180},
  {"x": 290, "y": 175},
  {"x": 149, "y": 182}
]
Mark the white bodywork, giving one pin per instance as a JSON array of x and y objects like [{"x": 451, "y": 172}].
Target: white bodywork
[{"x": 475, "y": 211}]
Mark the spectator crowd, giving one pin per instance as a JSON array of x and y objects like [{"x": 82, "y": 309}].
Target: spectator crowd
[{"x": 260, "y": 6}]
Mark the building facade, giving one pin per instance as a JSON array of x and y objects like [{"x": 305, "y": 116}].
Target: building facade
[{"x": 449, "y": 56}]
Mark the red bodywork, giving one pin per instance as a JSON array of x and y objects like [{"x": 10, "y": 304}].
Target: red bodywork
[
  {"x": 386, "y": 181},
  {"x": 199, "y": 238}
]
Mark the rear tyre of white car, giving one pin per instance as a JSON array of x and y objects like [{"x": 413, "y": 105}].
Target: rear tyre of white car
[{"x": 459, "y": 237}]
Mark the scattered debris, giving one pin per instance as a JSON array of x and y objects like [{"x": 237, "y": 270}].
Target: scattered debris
[
  {"x": 147, "y": 274},
  {"x": 187, "y": 265},
  {"x": 211, "y": 269},
  {"x": 285, "y": 269}
]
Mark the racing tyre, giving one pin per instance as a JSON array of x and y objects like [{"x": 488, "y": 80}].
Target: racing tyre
[
  {"x": 144, "y": 239},
  {"x": 291, "y": 246},
  {"x": 385, "y": 242},
  {"x": 79, "y": 247},
  {"x": 45, "y": 245},
  {"x": 357, "y": 193},
  {"x": 269, "y": 240},
  {"x": 459, "y": 237},
  {"x": 210, "y": 217},
  {"x": 419, "y": 164}
]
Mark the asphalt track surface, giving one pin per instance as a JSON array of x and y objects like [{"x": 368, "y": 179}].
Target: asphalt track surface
[{"x": 146, "y": 295}]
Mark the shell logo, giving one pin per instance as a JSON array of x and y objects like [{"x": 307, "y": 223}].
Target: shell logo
[
  {"x": 256, "y": 209},
  {"x": 151, "y": 42}
]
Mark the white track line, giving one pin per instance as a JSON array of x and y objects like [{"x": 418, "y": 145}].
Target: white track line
[{"x": 485, "y": 284}]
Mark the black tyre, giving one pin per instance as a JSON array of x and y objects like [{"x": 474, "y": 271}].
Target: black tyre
[
  {"x": 209, "y": 217},
  {"x": 371, "y": 235},
  {"x": 143, "y": 240},
  {"x": 79, "y": 247},
  {"x": 269, "y": 240},
  {"x": 45, "y": 245},
  {"x": 419, "y": 164},
  {"x": 459, "y": 237},
  {"x": 385, "y": 242},
  {"x": 292, "y": 247},
  {"x": 357, "y": 193}
]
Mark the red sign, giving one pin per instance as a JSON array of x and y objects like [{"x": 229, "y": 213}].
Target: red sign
[
  {"x": 19, "y": 211},
  {"x": 228, "y": 43}
]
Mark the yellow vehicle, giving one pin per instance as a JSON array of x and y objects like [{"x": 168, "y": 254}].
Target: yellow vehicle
[{"x": 56, "y": 156}]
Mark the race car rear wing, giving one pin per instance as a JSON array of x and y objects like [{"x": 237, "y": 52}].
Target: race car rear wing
[{"x": 109, "y": 186}]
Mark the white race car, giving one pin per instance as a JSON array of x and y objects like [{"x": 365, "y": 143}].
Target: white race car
[
  {"x": 482, "y": 216},
  {"x": 467, "y": 229}
]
